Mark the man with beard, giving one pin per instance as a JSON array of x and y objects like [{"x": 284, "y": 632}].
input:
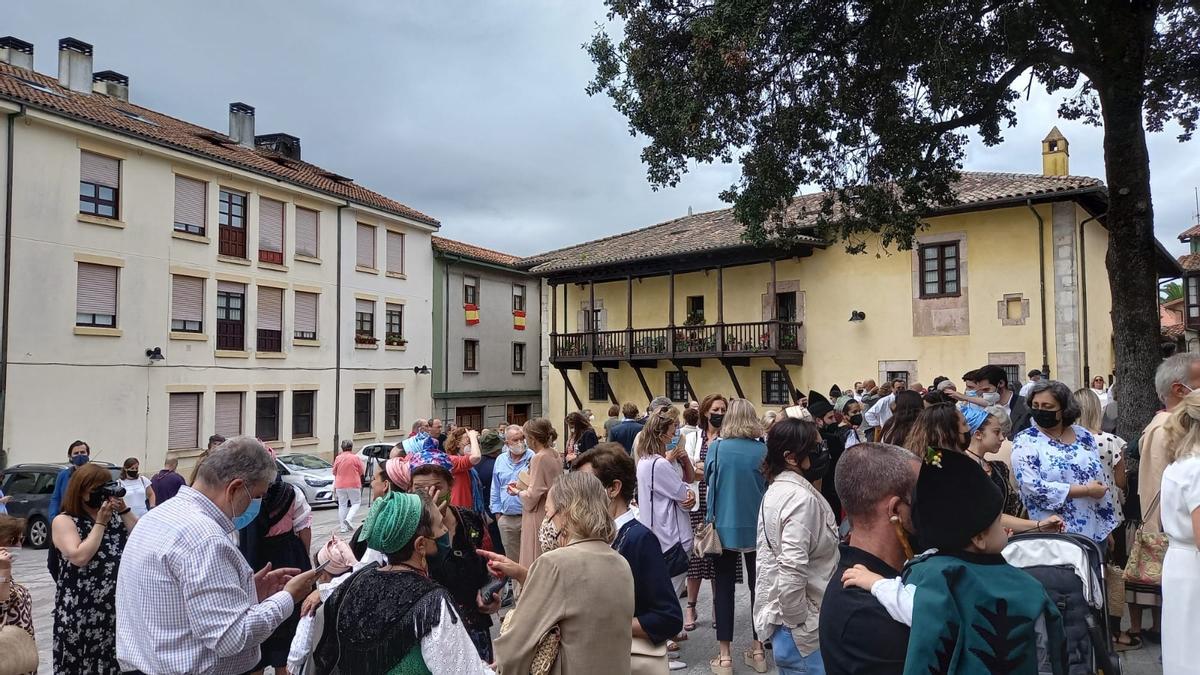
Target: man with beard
[{"x": 829, "y": 424}]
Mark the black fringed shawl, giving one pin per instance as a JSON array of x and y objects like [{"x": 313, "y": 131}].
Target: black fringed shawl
[{"x": 375, "y": 618}]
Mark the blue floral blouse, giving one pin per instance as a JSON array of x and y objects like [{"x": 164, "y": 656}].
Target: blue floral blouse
[{"x": 1046, "y": 469}]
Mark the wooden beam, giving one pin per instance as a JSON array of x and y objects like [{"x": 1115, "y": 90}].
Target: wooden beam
[
  {"x": 671, "y": 300},
  {"x": 601, "y": 368},
  {"x": 689, "y": 262},
  {"x": 629, "y": 302},
  {"x": 737, "y": 386},
  {"x": 787, "y": 377},
  {"x": 591, "y": 317},
  {"x": 553, "y": 320},
  {"x": 720, "y": 294},
  {"x": 642, "y": 378},
  {"x": 687, "y": 382},
  {"x": 571, "y": 388}
]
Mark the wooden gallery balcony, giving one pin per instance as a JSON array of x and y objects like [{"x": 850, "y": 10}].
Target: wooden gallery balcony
[{"x": 732, "y": 342}]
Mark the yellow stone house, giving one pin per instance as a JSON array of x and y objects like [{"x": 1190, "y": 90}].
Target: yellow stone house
[{"x": 1013, "y": 274}]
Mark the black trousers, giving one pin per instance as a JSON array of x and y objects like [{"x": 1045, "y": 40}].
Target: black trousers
[{"x": 726, "y": 590}]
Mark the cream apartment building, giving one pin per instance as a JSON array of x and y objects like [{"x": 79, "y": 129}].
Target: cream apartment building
[{"x": 162, "y": 281}]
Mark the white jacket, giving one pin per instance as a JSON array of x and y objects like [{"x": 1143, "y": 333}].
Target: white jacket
[{"x": 797, "y": 555}]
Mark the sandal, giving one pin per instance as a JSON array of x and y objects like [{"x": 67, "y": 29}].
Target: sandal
[
  {"x": 691, "y": 625},
  {"x": 672, "y": 646},
  {"x": 1132, "y": 641},
  {"x": 756, "y": 659},
  {"x": 721, "y": 666}
]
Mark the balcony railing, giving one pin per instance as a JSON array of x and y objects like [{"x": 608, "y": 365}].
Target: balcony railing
[
  {"x": 230, "y": 335},
  {"x": 274, "y": 257},
  {"x": 759, "y": 338},
  {"x": 232, "y": 242},
  {"x": 270, "y": 340}
]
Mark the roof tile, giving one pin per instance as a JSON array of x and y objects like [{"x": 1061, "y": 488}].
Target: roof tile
[
  {"x": 1190, "y": 262},
  {"x": 717, "y": 230},
  {"x": 1193, "y": 231},
  {"x": 473, "y": 252},
  {"x": 43, "y": 92}
]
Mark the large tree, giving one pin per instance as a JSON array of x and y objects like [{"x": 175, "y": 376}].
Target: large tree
[{"x": 871, "y": 100}]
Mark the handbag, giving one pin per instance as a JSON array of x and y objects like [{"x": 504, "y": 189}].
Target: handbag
[
  {"x": 676, "y": 557},
  {"x": 1145, "y": 564},
  {"x": 545, "y": 652},
  {"x": 647, "y": 658},
  {"x": 19, "y": 649},
  {"x": 707, "y": 543}
]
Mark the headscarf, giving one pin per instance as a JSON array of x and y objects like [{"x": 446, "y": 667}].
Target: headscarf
[
  {"x": 430, "y": 455},
  {"x": 976, "y": 416},
  {"x": 337, "y": 552},
  {"x": 392, "y": 522},
  {"x": 399, "y": 472}
]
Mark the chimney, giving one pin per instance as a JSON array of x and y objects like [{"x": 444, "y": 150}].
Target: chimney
[
  {"x": 75, "y": 65},
  {"x": 241, "y": 124},
  {"x": 1055, "y": 157},
  {"x": 111, "y": 84},
  {"x": 16, "y": 52},
  {"x": 286, "y": 145}
]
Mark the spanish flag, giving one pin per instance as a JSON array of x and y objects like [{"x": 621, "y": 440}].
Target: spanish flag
[
  {"x": 472, "y": 314},
  {"x": 519, "y": 319}
]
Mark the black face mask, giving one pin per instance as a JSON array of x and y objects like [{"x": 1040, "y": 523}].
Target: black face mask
[
  {"x": 715, "y": 419},
  {"x": 856, "y": 420},
  {"x": 1046, "y": 419},
  {"x": 131, "y": 474},
  {"x": 818, "y": 465}
]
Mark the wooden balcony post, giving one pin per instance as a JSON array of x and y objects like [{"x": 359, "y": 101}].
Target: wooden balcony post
[
  {"x": 628, "y": 315},
  {"x": 592, "y": 317},
  {"x": 670, "y": 346},
  {"x": 720, "y": 309},
  {"x": 773, "y": 327},
  {"x": 553, "y": 322}
]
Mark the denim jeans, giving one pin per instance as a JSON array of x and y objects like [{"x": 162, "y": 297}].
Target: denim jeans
[{"x": 789, "y": 660}]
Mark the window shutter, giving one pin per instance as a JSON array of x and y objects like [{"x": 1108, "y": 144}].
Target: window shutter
[
  {"x": 96, "y": 292},
  {"x": 187, "y": 298},
  {"x": 306, "y": 312},
  {"x": 229, "y": 414},
  {"x": 270, "y": 225},
  {"x": 270, "y": 308},
  {"x": 190, "y": 197},
  {"x": 395, "y": 252},
  {"x": 306, "y": 232},
  {"x": 366, "y": 246},
  {"x": 99, "y": 169},
  {"x": 364, "y": 306},
  {"x": 183, "y": 426},
  {"x": 230, "y": 287}
]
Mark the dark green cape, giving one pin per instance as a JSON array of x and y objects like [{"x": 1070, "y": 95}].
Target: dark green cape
[{"x": 978, "y": 614}]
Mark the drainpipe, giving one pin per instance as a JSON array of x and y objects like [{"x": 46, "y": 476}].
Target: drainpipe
[
  {"x": 1042, "y": 280},
  {"x": 1087, "y": 367},
  {"x": 4, "y": 304},
  {"x": 446, "y": 336},
  {"x": 337, "y": 363}
]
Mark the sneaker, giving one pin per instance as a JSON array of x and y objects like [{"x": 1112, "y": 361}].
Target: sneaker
[{"x": 677, "y": 665}]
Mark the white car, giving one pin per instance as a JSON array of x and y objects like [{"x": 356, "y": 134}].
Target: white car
[{"x": 313, "y": 475}]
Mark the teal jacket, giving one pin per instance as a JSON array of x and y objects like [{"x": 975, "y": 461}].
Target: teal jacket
[{"x": 733, "y": 471}]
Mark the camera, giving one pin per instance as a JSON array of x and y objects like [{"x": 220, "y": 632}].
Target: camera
[{"x": 106, "y": 491}]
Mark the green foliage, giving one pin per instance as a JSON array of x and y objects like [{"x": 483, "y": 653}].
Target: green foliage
[
  {"x": 869, "y": 99},
  {"x": 1169, "y": 292}
]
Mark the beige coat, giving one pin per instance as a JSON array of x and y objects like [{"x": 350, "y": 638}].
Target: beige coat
[
  {"x": 545, "y": 468},
  {"x": 1154, "y": 460},
  {"x": 586, "y": 589}
]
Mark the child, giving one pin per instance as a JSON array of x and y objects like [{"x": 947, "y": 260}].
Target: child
[
  {"x": 340, "y": 560},
  {"x": 978, "y": 613}
]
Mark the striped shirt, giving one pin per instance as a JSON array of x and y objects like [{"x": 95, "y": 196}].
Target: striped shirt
[{"x": 186, "y": 600}]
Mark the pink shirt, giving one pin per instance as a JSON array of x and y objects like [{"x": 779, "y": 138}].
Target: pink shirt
[{"x": 348, "y": 470}]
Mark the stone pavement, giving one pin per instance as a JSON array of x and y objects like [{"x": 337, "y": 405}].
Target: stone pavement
[{"x": 30, "y": 570}]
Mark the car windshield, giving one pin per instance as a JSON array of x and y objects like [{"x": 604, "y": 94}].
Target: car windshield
[{"x": 305, "y": 461}]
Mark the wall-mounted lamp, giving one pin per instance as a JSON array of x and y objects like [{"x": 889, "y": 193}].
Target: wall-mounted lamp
[
  {"x": 154, "y": 354},
  {"x": 420, "y": 370},
  {"x": 856, "y": 315}
]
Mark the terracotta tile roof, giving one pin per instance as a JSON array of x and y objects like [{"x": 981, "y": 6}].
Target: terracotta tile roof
[
  {"x": 716, "y": 230},
  {"x": 1193, "y": 231},
  {"x": 43, "y": 92},
  {"x": 1173, "y": 331},
  {"x": 1190, "y": 262},
  {"x": 474, "y": 252}
]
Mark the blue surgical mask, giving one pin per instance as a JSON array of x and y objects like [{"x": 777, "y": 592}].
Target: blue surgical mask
[
  {"x": 673, "y": 442},
  {"x": 971, "y": 393},
  {"x": 443, "y": 544},
  {"x": 250, "y": 513},
  {"x": 80, "y": 460}
]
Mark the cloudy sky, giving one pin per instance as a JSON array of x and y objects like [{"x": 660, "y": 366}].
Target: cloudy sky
[{"x": 472, "y": 112}]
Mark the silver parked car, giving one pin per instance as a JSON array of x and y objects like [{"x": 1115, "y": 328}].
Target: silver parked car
[{"x": 313, "y": 475}]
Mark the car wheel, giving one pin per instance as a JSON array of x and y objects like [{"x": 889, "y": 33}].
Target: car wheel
[{"x": 37, "y": 533}]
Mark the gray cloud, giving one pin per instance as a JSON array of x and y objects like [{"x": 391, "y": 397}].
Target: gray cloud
[{"x": 472, "y": 112}]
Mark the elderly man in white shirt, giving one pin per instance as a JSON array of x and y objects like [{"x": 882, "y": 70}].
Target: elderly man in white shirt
[
  {"x": 881, "y": 412},
  {"x": 187, "y": 600}
]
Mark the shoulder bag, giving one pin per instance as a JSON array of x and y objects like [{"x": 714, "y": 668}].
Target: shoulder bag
[
  {"x": 19, "y": 649},
  {"x": 708, "y": 543},
  {"x": 545, "y": 653},
  {"x": 1145, "y": 564},
  {"x": 677, "y": 558}
]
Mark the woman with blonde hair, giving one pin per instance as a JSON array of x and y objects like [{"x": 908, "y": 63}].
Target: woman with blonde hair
[
  {"x": 735, "y": 490},
  {"x": 580, "y": 586},
  {"x": 544, "y": 469},
  {"x": 1180, "y": 513},
  {"x": 1110, "y": 447}
]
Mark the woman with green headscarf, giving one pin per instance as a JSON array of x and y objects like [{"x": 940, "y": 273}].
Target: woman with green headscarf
[{"x": 392, "y": 618}]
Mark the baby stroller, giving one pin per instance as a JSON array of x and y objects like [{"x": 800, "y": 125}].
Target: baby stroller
[{"x": 1071, "y": 568}]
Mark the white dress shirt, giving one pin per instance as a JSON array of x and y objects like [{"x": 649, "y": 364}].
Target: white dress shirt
[
  {"x": 186, "y": 596},
  {"x": 879, "y": 413}
]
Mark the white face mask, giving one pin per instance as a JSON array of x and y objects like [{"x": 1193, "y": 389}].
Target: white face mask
[{"x": 991, "y": 397}]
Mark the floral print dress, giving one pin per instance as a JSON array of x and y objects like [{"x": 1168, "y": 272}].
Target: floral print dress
[
  {"x": 18, "y": 609},
  {"x": 85, "y": 607},
  {"x": 1046, "y": 469}
]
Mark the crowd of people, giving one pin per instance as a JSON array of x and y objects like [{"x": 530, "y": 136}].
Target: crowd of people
[{"x": 868, "y": 527}]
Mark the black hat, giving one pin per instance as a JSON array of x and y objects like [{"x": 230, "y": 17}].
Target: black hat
[
  {"x": 954, "y": 500},
  {"x": 818, "y": 405}
]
